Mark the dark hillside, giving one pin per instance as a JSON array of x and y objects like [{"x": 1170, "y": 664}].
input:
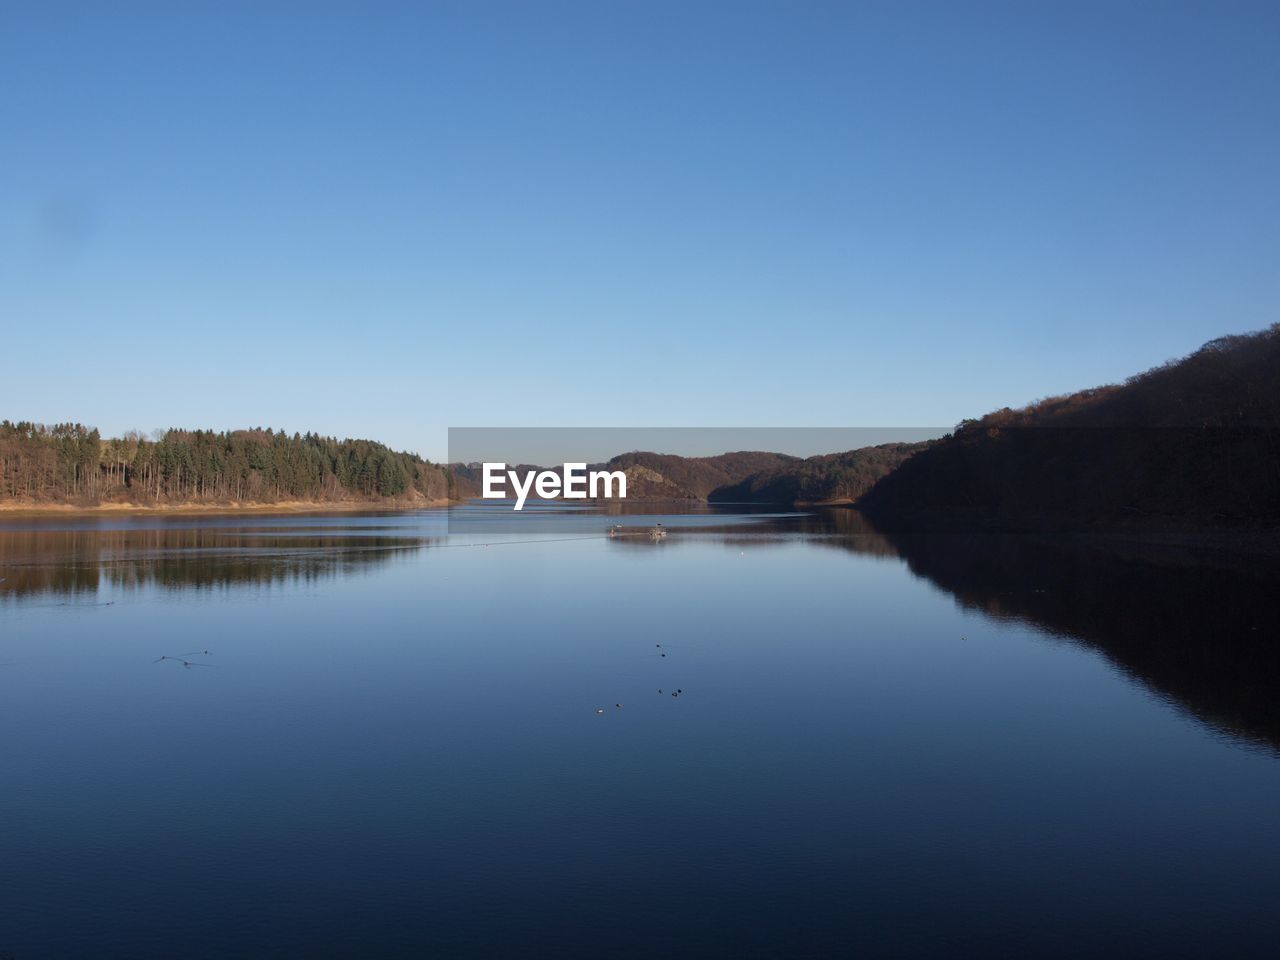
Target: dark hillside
[
  {"x": 1193, "y": 442},
  {"x": 666, "y": 476},
  {"x": 828, "y": 478}
]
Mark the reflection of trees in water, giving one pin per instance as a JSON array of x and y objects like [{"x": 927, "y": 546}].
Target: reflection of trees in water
[
  {"x": 850, "y": 530},
  {"x": 75, "y": 563},
  {"x": 1200, "y": 629},
  {"x": 840, "y": 528}
]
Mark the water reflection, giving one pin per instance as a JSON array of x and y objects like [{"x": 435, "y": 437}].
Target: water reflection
[
  {"x": 74, "y": 564},
  {"x": 1198, "y": 627}
]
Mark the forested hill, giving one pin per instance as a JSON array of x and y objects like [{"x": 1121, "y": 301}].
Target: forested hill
[
  {"x": 750, "y": 477},
  {"x": 71, "y": 463},
  {"x": 667, "y": 476},
  {"x": 1196, "y": 441},
  {"x": 827, "y": 478}
]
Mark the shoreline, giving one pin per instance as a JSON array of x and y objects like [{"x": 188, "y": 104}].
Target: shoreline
[{"x": 19, "y": 510}]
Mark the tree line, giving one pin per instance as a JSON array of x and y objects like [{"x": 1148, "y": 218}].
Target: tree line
[
  {"x": 73, "y": 463},
  {"x": 826, "y": 478}
]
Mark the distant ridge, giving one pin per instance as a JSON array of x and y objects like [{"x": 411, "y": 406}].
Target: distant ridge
[{"x": 828, "y": 478}]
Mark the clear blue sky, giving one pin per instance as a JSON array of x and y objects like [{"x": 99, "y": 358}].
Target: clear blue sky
[{"x": 382, "y": 219}]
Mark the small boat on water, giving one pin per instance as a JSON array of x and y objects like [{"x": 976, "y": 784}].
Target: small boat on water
[{"x": 656, "y": 532}]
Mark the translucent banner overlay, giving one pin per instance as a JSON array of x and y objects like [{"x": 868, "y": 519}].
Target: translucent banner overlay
[{"x": 570, "y": 480}]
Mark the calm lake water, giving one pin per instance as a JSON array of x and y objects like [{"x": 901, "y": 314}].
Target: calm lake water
[{"x": 900, "y": 746}]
